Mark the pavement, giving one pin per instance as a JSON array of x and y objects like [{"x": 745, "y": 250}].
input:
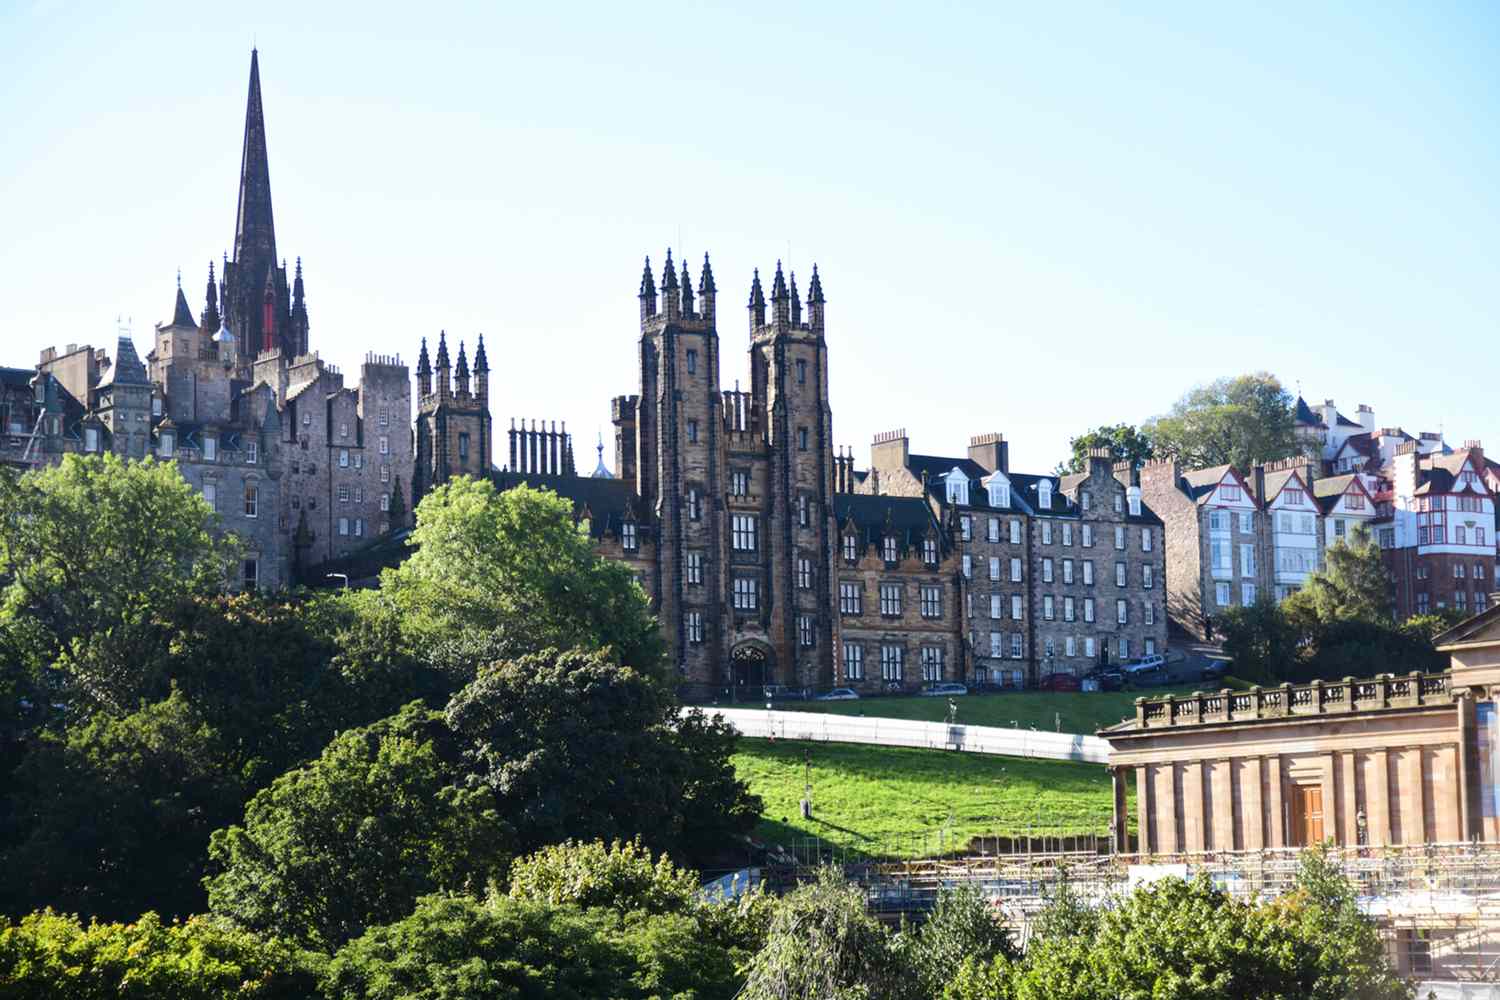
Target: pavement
[{"x": 1185, "y": 665}]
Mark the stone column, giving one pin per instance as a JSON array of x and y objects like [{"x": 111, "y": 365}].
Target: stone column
[
  {"x": 1164, "y": 786},
  {"x": 1145, "y": 844},
  {"x": 1121, "y": 818},
  {"x": 1193, "y": 820},
  {"x": 1253, "y": 817},
  {"x": 1275, "y": 811},
  {"x": 1223, "y": 795},
  {"x": 1411, "y": 786},
  {"x": 1348, "y": 799},
  {"x": 1378, "y": 796},
  {"x": 1468, "y": 790}
]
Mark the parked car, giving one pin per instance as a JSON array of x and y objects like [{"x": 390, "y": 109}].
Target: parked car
[
  {"x": 1108, "y": 680},
  {"x": 1060, "y": 682},
  {"x": 1213, "y": 670},
  {"x": 838, "y": 694},
  {"x": 1146, "y": 665},
  {"x": 942, "y": 690},
  {"x": 780, "y": 692}
]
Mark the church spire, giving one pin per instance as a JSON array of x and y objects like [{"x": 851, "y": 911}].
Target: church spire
[
  {"x": 211, "y": 298},
  {"x": 182, "y": 315},
  {"x": 254, "y": 230}
]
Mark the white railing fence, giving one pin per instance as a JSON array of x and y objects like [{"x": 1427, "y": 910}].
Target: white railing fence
[{"x": 827, "y": 728}]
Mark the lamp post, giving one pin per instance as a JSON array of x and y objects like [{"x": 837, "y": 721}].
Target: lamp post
[{"x": 806, "y": 784}]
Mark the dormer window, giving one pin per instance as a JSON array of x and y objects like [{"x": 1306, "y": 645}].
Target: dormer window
[
  {"x": 91, "y": 439},
  {"x": 210, "y": 449},
  {"x": 1044, "y": 494},
  {"x": 999, "y": 493},
  {"x": 851, "y": 548},
  {"x": 929, "y": 551},
  {"x": 156, "y": 406},
  {"x": 167, "y": 444},
  {"x": 628, "y": 540},
  {"x": 252, "y": 452},
  {"x": 1135, "y": 501},
  {"x": 958, "y": 488},
  {"x": 889, "y": 549}
]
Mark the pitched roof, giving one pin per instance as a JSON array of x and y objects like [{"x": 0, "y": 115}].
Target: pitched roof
[
  {"x": 127, "y": 369},
  {"x": 909, "y": 517},
  {"x": 606, "y": 502},
  {"x": 1305, "y": 415},
  {"x": 1202, "y": 482}
]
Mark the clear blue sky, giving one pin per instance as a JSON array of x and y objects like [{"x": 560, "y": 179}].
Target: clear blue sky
[{"x": 1031, "y": 218}]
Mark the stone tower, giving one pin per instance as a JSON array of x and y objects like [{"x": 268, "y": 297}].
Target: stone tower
[
  {"x": 789, "y": 398},
  {"x": 453, "y": 435}
]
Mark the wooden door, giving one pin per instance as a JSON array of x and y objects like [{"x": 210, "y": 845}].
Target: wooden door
[{"x": 1307, "y": 815}]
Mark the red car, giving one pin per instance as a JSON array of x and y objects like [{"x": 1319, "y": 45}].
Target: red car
[{"x": 1059, "y": 682}]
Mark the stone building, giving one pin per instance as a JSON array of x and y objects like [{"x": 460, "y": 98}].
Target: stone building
[
  {"x": 300, "y": 467},
  {"x": 453, "y": 431}
]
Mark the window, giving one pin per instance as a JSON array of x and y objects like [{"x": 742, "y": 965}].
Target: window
[
  {"x": 1070, "y": 646},
  {"x": 1047, "y": 570},
  {"x": 1247, "y": 594},
  {"x": 1068, "y": 609},
  {"x": 167, "y": 443},
  {"x": 742, "y": 533},
  {"x": 1016, "y": 611},
  {"x": 1124, "y": 648},
  {"x": 1088, "y": 572},
  {"x": 1458, "y": 571},
  {"x": 694, "y": 509},
  {"x": 1067, "y": 534},
  {"x": 1135, "y": 505},
  {"x": 854, "y": 661},
  {"x": 628, "y": 539},
  {"x": 1046, "y": 532},
  {"x": 801, "y": 366},
  {"x": 1119, "y": 503},
  {"x": 156, "y": 406},
  {"x": 1086, "y": 535},
  {"x": 1354, "y": 501},
  {"x": 1044, "y": 494},
  {"x": 385, "y": 473},
  {"x": 849, "y": 598},
  {"x": 958, "y": 488},
  {"x": 211, "y": 495},
  {"x": 1088, "y": 646},
  {"x": 1247, "y": 522},
  {"x": 801, "y": 438},
  {"x": 1479, "y": 571},
  {"x": 932, "y": 602},
  {"x": 1088, "y": 609},
  {"x": 739, "y": 484},
  {"x": 694, "y": 625},
  {"x": 1146, "y": 580},
  {"x": 1049, "y": 647},
  {"x": 250, "y": 573},
  {"x": 359, "y": 527},
  {"x": 210, "y": 449},
  {"x": 999, "y": 494},
  {"x": 804, "y": 573},
  {"x": 1122, "y": 612},
  {"x": 1247, "y": 559},
  {"x": 932, "y": 663},
  {"x": 994, "y": 530},
  {"x": 343, "y": 458},
  {"x": 385, "y": 501},
  {"x": 1461, "y": 600},
  {"x": 930, "y": 551},
  {"x": 1015, "y": 569},
  {"x": 746, "y": 593},
  {"x": 252, "y": 500},
  {"x": 693, "y": 568},
  {"x": 1145, "y": 539},
  {"x": 890, "y": 662},
  {"x": 851, "y": 548},
  {"x": 463, "y": 446},
  {"x": 307, "y": 418},
  {"x": 966, "y": 528},
  {"x": 1085, "y": 500},
  {"x": 1150, "y": 649},
  {"x": 91, "y": 439},
  {"x": 359, "y": 460},
  {"x": 692, "y": 361},
  {"x": 343, "y": 430},
  {"x": 692, "y": 431},
  {"x": 385, "y": 443},
  {"x": 804, "y": 516},
  {"x": 804, "y": 630},
  {"x": 1048, "y": 609},
  {"x": 1422, "y": 600},
  {"x": 890, "y": 599},
  {"x": 343, "y": 494},
  {"x": 968, "y": 567},
  {"x": 888, "y": 549},
  {"x": 343, "y": 526},
  {"x": 1015, "y": 531},
  {"x": 385, "y": 419},
  {"x": 1230, "y": 493},
  {"x": 1119, "y": 536},
  {"x": 1017, "y": 646},
  {"x": 1067, "y": 567},
  {"x": 997, "y": 644},
  {"x": 1119, "y": 574},
  {"x": 994, "y": 567},
  {"x": 997, "y": 606}
]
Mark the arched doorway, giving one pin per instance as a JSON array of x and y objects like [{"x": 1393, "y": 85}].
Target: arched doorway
[{"x": 750, "y": 662}]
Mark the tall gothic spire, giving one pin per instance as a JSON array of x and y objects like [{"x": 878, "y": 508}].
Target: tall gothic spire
[
  {"x": 211, "y": 298},
  {"x": 254, "y": 230}
]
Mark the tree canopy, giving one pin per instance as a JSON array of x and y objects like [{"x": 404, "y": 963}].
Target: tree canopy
[
  {"x": 1126, "y": 443},
  {"x": 1353, "y": 585},
  {"x": 1242, "y": 421}
]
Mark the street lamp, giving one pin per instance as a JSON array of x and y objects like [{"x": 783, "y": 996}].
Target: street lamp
[
  {"x": 338, "y": 576},
  {"x": 806, "y": 784}
]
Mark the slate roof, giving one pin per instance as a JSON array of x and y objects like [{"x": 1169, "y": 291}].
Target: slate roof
[
  {"x": 17, "y": 378},
  {"x": 606, "y": 502},
  {"x": 909, "y": 517},
  {"x": 1305, "y": 415},
  {"x": 937, "y": 468},
  {"x": 127, "y": 369},
  {"x": 1201, "y": 482}
]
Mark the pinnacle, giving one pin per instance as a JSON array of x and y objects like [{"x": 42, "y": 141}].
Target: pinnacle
[
  {"x": 757, "y": 298},
  {"x": 815, "y": 288},
  {"x": 706, "y": 278},
  {"x": 648, "y": 283},
  {"x": 669, "y": 275},
  {"x": 778, "y": 285}
]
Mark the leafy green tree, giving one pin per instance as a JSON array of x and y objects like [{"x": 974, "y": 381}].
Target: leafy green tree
[
  {"x": 962, "y": 927},
  {"x": 1125, "y": 442},
  {"x": 114, "y": 818},
  {"x": 458, "y": 948},
  {"x": 516, "y": 565},
  {"x": 355, "y": 837},
  {"x": 1357, "y": 648},
  {"x": 47, "y": 955},
  {"x": 1263, "y": 643},
  {"x": 1240, "y": 421},
  {"x": 573, "y": 745},
  {"x": 621, "y": 876},
  {"x": 93, "y": 553},
  {"x": 1353, "y": 584}
]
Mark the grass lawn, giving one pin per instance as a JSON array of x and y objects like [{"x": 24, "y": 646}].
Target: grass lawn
[
  {"x": 1080, "y": 712},
  {"x": 893, "y": 801}
]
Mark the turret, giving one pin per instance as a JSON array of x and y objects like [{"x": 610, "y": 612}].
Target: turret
[
  {"x": 670, "y": 304},
  {"x": 757, "y": 303},
  {"x": 482, "y": 374},
  {"x": 706, "y": 291},
  {"x": 211, "y": 322},
  {"x": 444, "y": 370},
  {"x": 181, "y": 314},
  {"x": 299, "y": 313},
  {"x": 648, "y": 293},
  {"x": 461, "y": 374},
  {"x": 424, "y": 372},
  {"x": 815, "y": 301},
  {"x": 781, "y": 300}
]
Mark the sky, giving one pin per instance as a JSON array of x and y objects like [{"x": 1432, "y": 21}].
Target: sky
[{"x": 1028, "y": 218}]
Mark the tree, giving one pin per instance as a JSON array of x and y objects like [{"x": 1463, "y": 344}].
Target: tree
[
  {"x": 962, "y": 927},
  {"x": 1125, "y": 442},
  {"x": 1241, "y": 421},
  {"x": 357, "y": 836},
  {"x": 515, "y": 566},
  {"x": 574, "y": 745},
  {"x": 93, "y": 552},
  {"x": 47, "y": 955},
  {"x": 1353, "y": 584},
  {"x": 621, "y": 876},
  {"x": 1263, "y": 643}
]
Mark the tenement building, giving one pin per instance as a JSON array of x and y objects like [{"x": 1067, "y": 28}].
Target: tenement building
[{"x": 300, "y": 467}]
